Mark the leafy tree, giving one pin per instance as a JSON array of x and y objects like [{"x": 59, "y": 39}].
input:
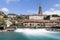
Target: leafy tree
[
  {"x": 55, "y": 15},
  {"x": 21, "y": 17},
  {"x": 47, "y": 18}
]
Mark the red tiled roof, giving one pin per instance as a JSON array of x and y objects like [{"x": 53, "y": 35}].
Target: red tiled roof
[{"x": 28, "y": 20}]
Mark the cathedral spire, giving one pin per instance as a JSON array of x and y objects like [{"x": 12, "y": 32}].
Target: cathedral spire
[{"x": 40, "y": 9}]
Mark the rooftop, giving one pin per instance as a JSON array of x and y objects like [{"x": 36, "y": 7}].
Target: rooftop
[{"x": 49, "y": 21}]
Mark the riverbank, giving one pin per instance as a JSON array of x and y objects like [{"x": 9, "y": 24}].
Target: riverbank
[
  {"x": 47, "y": 28},
  {"x": 29, "y": 36},
  {"x": 3, "y": 31}
]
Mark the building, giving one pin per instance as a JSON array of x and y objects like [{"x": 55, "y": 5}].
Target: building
[
  {"x": 41, "y": 23},
  {"x": 37, "y": 20},
  {"x": 1, "y": 16},
  {"x": 8, "y": 23},
  {"x": 38, "y": 16},
  {"x": 40, "y": 10},
  {"x": 12, "y": 15},
  {"x": 54, "y": 18}
]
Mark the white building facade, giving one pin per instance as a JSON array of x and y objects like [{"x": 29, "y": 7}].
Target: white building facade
[{"x": 36, "y": 17}]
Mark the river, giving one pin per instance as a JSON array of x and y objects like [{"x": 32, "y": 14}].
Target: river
[{"x": 30, "y": 34}]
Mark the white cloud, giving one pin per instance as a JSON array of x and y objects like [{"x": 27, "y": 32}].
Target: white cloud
[
  {"x": 8, "y": 1},
  {"x": 54, "y": 10},
  {"x": 5, "y": 10},
  {"x": 57, "y": 5},
  {"x": 50, "y": 12}
]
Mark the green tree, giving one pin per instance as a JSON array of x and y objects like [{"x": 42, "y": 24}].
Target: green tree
[
  {"x": 55, "y": 15},
  {"x": 47, "y": 18},
  {"x": 21, "y": 17}
]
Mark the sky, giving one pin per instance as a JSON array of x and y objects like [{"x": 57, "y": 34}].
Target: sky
[{"x": 30, "y": 6}]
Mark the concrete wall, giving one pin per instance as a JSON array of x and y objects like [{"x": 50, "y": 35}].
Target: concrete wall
[
  {"x": 36, "y": 17},
  {"x": 33, "y": 24},
  {"x": 54, "y": 18},
  {"x": 1, "y": 16},
  {"x": 40, "y": 24},
  {"x": 11, "y": 16}
]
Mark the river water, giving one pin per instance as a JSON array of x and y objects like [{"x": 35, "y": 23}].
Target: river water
[{"x": 30, "y": 34}]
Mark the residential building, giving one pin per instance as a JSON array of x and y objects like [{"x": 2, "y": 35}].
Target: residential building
[
  {"x": 54, "y": 18},
  {"x": 40, "y": 23},
  {"x": 1, "y": 14},
  {"x": 8, "y": 23},
  {"x": 37, "y": 17},
  {"x": 12, "y": 15}
]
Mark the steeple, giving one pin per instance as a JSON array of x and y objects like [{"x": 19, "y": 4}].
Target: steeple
[{"x": 40, "y": 10}]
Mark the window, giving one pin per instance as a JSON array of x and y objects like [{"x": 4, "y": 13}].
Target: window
[
  {"x": 25, "y": 24},
  {"x": 38, "y": 24},
  {"x": 30, "y": 24}
]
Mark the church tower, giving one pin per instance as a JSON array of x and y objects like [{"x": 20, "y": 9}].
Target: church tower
[{"x": 40, "y": 10}]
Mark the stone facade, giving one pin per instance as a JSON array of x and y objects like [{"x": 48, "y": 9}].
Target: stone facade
[
  {"x": 36, "y": 17},
  {"x": 41, "y": 23},
  {"x": 33, "y": 24},
  {"x": 12, "y": 15},
  {"x": 1, "y": 16}
]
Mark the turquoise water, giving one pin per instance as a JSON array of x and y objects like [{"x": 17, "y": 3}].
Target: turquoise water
[{"x": 30, "y": 36}]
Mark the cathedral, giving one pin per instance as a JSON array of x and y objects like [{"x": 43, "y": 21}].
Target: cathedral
[
  {"x": 37, "y": 20},
  {"x": 38, "y": 16}
]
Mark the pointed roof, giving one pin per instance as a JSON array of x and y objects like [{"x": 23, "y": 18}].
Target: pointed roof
[
  {"x": 44, "y": 21},
  {"x": 40, "y": 9}
]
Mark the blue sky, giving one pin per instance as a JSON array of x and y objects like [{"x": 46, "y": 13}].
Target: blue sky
[{"x": 30, "y": 6}]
